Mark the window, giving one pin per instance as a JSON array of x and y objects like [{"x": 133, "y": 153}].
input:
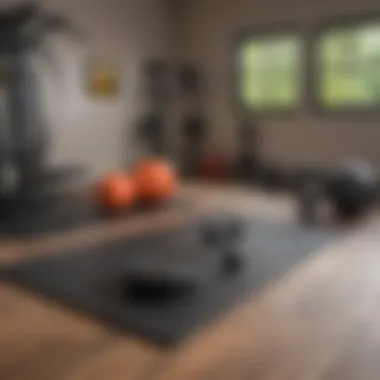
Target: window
[
  {"x": 269, "y": 73},
  {"x": 348, "y": 67}
]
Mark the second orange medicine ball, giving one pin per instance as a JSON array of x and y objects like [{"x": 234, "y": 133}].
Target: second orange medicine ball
[
  {"x": 117, "y": 191},
  {"x": 156, "y": 180}
]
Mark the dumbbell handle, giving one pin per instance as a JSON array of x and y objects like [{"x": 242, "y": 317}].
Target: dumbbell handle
[{"x": 222, "y": 235}]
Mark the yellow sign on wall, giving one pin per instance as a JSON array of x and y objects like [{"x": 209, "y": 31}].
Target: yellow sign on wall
[{"x": 103, "y": 80}]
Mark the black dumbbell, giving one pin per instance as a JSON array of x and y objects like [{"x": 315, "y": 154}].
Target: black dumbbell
[
  {"x": 222, "y": 233},
  {"x": 225, "y": 236}
]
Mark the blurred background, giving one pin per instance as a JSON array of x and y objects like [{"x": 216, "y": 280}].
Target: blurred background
[
  {"x": 87, "y": 130},
  {"x": 303, "y": 77},
  {"x": 114, "y": 97}
]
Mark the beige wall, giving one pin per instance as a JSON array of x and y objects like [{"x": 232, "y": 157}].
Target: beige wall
[
  {"x": 210, "y": 26},
  {"x": 96, "y": 133}
]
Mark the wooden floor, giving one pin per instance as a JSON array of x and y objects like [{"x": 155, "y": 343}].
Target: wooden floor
[{"x": 322, "y": 321}]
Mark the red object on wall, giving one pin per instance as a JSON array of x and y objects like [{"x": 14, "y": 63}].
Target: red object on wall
[{"x": 214, "y": 167}]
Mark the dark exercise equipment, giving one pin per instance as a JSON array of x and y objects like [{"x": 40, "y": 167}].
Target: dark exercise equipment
[
  {"x": 247, "y": 163},
  {"x": 353, "y": 189},
  {"x": 310, "y": 189},
  {"x": 190, "y": 81},
  {"x": 194, "y": 130},
  {"x": 192, "y": 144},
  {"x": 151, "y": 129},
  {"x": 349, "y": 190},
  {"x": 22, "y": 30},
  {"x": 156, "y": 84},
  {"x": 227, "y": 235},
  {"x": 152, "y": 286},
  {"x": 164, "y": 286},
  {"x": 151, "y": 132},
  {"x": 249, "y": 166},
  {"x": 271, "y": 177}
]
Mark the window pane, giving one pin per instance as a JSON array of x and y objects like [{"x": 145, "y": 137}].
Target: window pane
[
  {"x": 270, "y": 73},
  {"x": 349, "y": 65}
]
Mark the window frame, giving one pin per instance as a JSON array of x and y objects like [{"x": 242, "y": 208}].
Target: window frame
[
  {"x": 267, "y": 31},
  {"x": 317, "y": 33}
]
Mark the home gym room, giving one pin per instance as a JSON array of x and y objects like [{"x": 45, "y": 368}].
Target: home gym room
[{"x": 189, "y": 189}]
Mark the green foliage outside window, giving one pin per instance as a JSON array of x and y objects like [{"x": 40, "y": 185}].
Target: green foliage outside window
[
  {"x": 347, "y": 63},
  {"x": 349, "y": 67},
  {"x": 270, "y": 73}
]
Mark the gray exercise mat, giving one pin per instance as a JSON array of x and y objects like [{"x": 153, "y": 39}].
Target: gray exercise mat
[{"x": 92, "y": 280}]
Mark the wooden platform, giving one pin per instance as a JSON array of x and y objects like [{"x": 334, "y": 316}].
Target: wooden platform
[{"x": 320, "y": 322}]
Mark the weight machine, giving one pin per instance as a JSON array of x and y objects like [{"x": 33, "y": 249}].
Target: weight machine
[{"x": 24, "y": 135}]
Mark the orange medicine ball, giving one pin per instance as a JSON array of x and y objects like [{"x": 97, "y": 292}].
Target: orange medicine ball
[
  {"x": 117, "y": 191},
  {"x": 156, "y": 180}
]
